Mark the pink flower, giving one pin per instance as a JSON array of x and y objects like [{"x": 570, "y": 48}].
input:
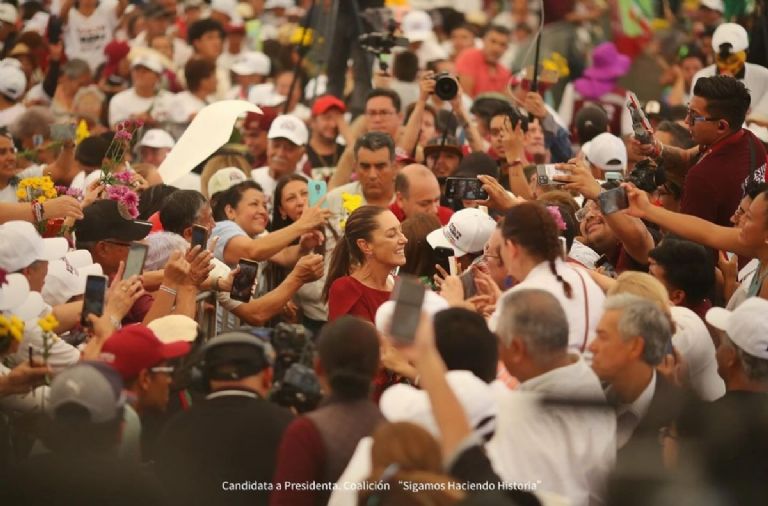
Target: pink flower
[
  {"x": 123, "y": 134},
  {"x": 554, "y": 211},
  {"x": 138, "y": 123},
  {"x": 125, "y": 177},
  {"x": 126, "y": 198}
]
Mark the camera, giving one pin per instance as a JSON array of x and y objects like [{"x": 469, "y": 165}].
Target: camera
[
  {"x": 647, "y": 175},
  {"x": 380, "y": 43},
  {"x": 295, "y": 384},
  {"x": 446, "y": 86}
]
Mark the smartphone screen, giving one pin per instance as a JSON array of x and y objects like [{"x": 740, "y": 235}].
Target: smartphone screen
[
  {"x": 546, "y": 174},
  {"x": 464, "y": 188},
  {"x": 242, "y": 285},
  {"x": 134, "y": 263},
  {"x": 93, "y": 299},
  {"x": 317, "y": 190},
  {"x": 199, "y": 236},
  {"x": 445, "y": 258},
  {"x": 63, "y": 132},
  {"x": 408, "y": 297},
  {"x": 612, "y": 201},
  {"x": 614, "y": 176}
]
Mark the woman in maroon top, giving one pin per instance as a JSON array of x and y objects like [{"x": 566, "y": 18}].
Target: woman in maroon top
[{"x": 359, "y": 278}]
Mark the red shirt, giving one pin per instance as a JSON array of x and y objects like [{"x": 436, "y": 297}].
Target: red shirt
[
  {"x": 472, "y": 62},
  {"x": 714, "y": 185},
  {"x": 443, "y": 213},
  {"x": 299, "y": 460},
  {"x": 349, "y": 296}
]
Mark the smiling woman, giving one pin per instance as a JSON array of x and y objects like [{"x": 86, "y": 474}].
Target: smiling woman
[{"x": 359, "y": 279}]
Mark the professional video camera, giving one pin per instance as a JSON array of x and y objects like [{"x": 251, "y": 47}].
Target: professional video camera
[
  {"x": 379, "y": 37},
  {"x": 646, "y": 175},
  {"x": 295, "y": 383}
]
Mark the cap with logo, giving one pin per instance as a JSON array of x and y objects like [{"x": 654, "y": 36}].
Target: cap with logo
[
  {"x": 224, "y": 179},
  {"x": 417, "y": 26},
  {"x": 21, "y": 245},
  {"x": 252, "y": 62},
  {"x": 746, "y": 326},
  {"x": 607, "y": 152},
  {"x": 95, "y": 386},
  {"x": 256, "y": 121},
  {"x": 327, "y": 102},
  {"x": 733, "y": 34},
  {"x": 134, "y": 348},
  {"x": 289, "y": 127},
  {"x": 13, "y": 82},
  {"x": 102, "y": 221},
  {"x": 157, "y": 138},
  {"x": 467, "y": 232},
  {"x": 66, "y": 279},
  {"x": 236, "y": 355}
]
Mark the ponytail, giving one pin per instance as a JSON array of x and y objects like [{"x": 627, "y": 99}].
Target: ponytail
[
  {"x": 339, "y": 266},
  {"x": 566, "y": 285}
]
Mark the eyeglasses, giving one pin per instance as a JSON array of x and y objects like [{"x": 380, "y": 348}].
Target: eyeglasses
[
  {"x": 379, "y": 113},
  {"x": 583, "y": 213},
  {"x": 162, "y": 369},
  {"x": 6, "y": 151},
  {"x": 691, "y": 118}
]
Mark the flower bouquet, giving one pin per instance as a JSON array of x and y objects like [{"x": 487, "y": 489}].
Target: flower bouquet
[
  {"x": 37, "y": 190},
  {"x": 119, "y": 185}
]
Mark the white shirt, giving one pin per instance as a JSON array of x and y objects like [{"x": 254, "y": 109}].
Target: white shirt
[
  {"x": 693, "y": 342},
  {"x": 127, "y": 103},
  {"x": 756, "y": 81},
  {"x": 566, "y": 451},
  {"x": 637, "y": 409},
  {"x": 8, "y": 116},
  {"x": 580, "y": 317},
  {"x": 86, "y": 37},
  {"x": 184, "y": 105},
  {"x": 8, "y": 194}
]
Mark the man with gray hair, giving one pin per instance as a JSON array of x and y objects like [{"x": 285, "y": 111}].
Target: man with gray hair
[
  {"x": 633, "y": 336},
  {"x": 567, "y": 450}
]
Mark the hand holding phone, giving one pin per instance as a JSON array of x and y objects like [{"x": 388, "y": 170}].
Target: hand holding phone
[
  {"x": 408, "y": 296},
  {"x": 612, "y": 201},
  {"x": 93, "y": 299},
  {"x": 465, "y": 188},
  {"x": 547, "y": 174},
  {"x": 317, "y": 190},
  {"x": 242, "y": 285},
  {"x": 446, "y": 258},
  {"x": 199, "y": 236}
]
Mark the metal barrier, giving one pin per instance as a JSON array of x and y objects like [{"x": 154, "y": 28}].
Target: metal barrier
[{"x": 212, "y": 317}]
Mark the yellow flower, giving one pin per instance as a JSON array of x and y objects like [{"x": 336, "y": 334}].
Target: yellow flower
[
  {"x": 48, "y": 323},
  {"x": 13, "y": 326},
  {"x": 21, "y": 193}
]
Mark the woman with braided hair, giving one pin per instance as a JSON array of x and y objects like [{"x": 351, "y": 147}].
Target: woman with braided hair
[{"x": 533, "y": 255}]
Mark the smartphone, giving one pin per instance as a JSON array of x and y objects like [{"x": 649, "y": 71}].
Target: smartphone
[
  {"x": 63, "y": 132},
  {"x": 546, "y": 174},
  {"x": 199, "y": 236},
  {"x": 464, "y": 188},
  {"x": 612, "y": 201},
  {"x": 446, "y": 258},
  {"x": 242, "y": 285},
  {"x": 408, "y": 296},
  {"x": 614, "y": 176},
  {"x": 317, "y": 190},
  {"x": 54, "y": 30},
  {"x": 134, "y": 263},
  {"x": 93, "y": 299}
]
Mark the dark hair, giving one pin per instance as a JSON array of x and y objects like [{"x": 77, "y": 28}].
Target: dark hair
[
  {"x": 465, "y": 26},
  {"x": 498, "y": 29},
  {"x": 726, "y": 97},
  {"x": 687, "y": 267},
  {"x": 476, "y": 164},
  {"x": 465, "y": 342},
  {"x": 427, "y": 108},
  {"x": 419, "y": 255},
  {"x": 385, "y": 92},
  {"x": 231, "y": 197},
  {"x": 514, "y": 114},
  {"x": 569, "y": 218},
  {"x": 180, "y": 210},
  {"x": 348, "y": 350},
  {"x": 153, "y": 198},
  {"x": 681, "y": 136},
  {"x": 531, "y": 227},
  {"x": 374, "y": 141},
  {"x": 754, "y": 189},
  {"x": 196, "y": 70},
  {"x": 199, "y": 28},
  {"x": 406, "y": 66},
  {"x": 360, "y": 225},
  {"x": 71, "y": 430},
  {"x": 278, "y": 221}
]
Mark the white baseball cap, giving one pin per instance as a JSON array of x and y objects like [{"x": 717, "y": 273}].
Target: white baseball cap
[
  {"x": 746, "y": 326},
  {"x": 265, "y": 95},
  {"x": 21, "y": 245},
  {"x": 157, "y": 138},
  {"x": 417, "y": 26},
  {"x": 174, "y": 327},
  {"x": 715, "y": 5},
  {"x": 149, "y": 61},
  {"x": 66, "y": 280},
  {"x": 14, "y": 289},
  {"x": 607, "y": 152},
  {"x": 730, "y": 33},
  {"x": 13, "y": 82},
  {"x": 224, "y": 179},
  {"x": 8, "y": 13},
  {"x": 227, "y": 7},
  {"x": 29, "y": 309},
  {"x": 289, "y": 127},
  {"x": 279, "y": 4},
  {"x": 466, "y": 232},
  {"x": 252, "y": 62},
  {"x": 432, "y": 304}
]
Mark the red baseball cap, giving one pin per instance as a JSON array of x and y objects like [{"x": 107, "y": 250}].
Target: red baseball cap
[
  {"x": 135, "y": 348},
  {"x": 256, "y": 121},
  {"x": 326, "y": 102}
]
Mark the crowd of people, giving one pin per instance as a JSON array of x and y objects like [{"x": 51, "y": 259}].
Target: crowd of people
[{"x": 590, "y": 229}]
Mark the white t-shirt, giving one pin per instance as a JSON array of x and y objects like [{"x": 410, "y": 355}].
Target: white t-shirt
[
  {"x": 8, "y": 116},
  {"x": 127, "y": 103},
  {"x": 184, "y": 105},
  {"x": 8, "y": 194},
  {"x": 86, "y": 37}
]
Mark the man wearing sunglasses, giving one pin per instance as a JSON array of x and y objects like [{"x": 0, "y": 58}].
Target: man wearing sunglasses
[{"x": 713, "y": 174}]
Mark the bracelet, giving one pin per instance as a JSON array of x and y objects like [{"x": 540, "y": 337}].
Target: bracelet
[
  {"x": 37, "y": 211},
  {"x": 216, "y": 284},
  {"x": 115, "y": 322},
  {"x": 168, "y": 290}
]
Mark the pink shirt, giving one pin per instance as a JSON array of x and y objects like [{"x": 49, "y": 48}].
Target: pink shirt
[{"x": 471, "y": 62}]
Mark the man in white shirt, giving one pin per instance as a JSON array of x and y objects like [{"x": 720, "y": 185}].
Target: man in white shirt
[
  {"x": 633, "y": 337},
  {"x": 158, "y": 22},
  {"x": 89, "y": 25},
  {"x": 566, "y": 450},
  {"x": 200, "y": 75},
  {"x": 142, "y": 100},
  {"x": 285, "y": 148}
]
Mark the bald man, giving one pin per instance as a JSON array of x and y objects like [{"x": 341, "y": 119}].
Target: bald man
[{"x": 417, "y": 191}]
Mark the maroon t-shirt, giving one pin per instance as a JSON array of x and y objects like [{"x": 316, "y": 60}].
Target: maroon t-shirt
[
  {"x": 349, "y": 296},
  {"x": 556, "y": 10},
  {"x": 714, "y": 186}
]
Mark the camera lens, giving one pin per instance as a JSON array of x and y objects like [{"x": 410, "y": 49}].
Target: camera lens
[{"x": 446, "y": 87}]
